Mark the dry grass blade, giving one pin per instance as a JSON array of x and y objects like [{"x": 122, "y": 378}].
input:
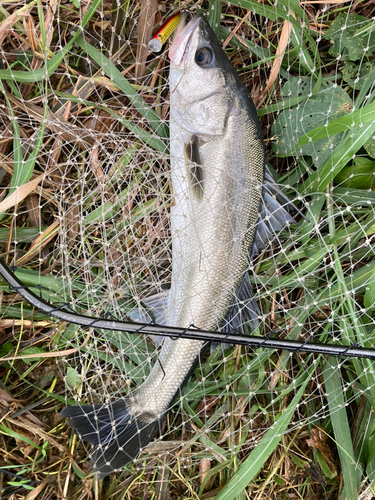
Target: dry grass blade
[
  {"x": 48, "y": 20},
  {"x": 35, "y": 492},
  {"x": 32, "y": 38},
  {"x": 32, "y": 205},
  {"x": 68, "y": 131},
  {"x": 280, "y": 51},
  {"x": 238, "y": 26},
  {"x": 23, "y": 423},
  {"x": 65, "y": 352},
  {"x": 40, "y": 242},
  {"x": 146, "y": 25},
  {"x": 8, "y": 23},
  {"x": 25, "y": 323},
  {"x": 20, "y": 193}
]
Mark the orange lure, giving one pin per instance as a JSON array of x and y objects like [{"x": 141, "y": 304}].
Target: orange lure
[{"x": 157, "y": 41}]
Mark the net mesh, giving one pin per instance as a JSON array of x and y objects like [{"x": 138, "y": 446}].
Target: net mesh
[{"x": 86, "y": 199}]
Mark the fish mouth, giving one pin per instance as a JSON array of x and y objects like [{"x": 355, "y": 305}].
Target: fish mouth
[{"x": 180, "y": 46}]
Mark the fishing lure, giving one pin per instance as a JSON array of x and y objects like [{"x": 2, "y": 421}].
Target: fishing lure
[{"x": 164, "y": 32}]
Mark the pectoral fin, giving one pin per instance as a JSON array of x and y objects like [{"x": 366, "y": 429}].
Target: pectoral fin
[{"x": 194, "y": 168}]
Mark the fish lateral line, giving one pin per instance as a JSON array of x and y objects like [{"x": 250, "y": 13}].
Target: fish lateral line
[{"x": 176, "y": 333}]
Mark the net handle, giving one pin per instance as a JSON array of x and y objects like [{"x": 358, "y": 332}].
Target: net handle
[{"x": 191, "y": 333}]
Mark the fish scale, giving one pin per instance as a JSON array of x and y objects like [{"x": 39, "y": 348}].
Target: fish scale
[{"x": 217, "y": 168}]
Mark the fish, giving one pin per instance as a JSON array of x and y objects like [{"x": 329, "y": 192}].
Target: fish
[{"x": 226, "y": 206}]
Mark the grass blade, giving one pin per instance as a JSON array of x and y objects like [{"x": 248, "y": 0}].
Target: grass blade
[
  {"x": 342, "y": 124},
  {"x": 351, "y": 471},
  {"x": 255, "y": 461},
  {"x": 51, "y": 65},
  {"x": 118, "y": 79},
  {"x": 214, "y": 16},
  {"x": 344, "y": 151}
]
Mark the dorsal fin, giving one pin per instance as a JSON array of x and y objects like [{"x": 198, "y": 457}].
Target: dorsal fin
[{"x": 273, "y": 215}]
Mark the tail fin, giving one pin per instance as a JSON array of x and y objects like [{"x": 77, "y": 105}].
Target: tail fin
[{"x": 116, "y": 435}]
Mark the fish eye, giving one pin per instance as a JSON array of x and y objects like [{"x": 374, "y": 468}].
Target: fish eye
[{"x": 204, "y": 56}]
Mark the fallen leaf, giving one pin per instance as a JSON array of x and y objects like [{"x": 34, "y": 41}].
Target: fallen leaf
[
  {"x": 35, "y": 492},
  {"x": 321, "y": 441},
  {"x": 7, "y": 24}
]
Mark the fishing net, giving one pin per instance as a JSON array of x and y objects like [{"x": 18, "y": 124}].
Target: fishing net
[{"x": 85, "y": 218}]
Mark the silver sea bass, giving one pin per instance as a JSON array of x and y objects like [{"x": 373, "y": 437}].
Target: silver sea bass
[{"x": 217, "y": 164}]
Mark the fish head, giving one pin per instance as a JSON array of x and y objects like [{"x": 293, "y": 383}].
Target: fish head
[
  {"x": 194, "y": 44},
  {"x": 201, "y": 79}
]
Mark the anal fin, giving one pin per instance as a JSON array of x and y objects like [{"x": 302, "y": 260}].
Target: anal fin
[
  {"x": 244, "y": 313},
  {"x": 154, "y": 308}
]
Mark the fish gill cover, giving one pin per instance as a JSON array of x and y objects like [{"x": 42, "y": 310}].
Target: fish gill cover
[{"x": 86, "y": 218}]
